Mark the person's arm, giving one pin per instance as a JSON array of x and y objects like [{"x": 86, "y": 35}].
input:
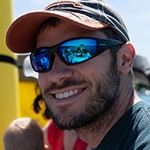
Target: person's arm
[{"x": 47, "y": 146}]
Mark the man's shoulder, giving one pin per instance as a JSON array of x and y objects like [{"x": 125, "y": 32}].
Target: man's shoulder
[{"x": 131, "y": 131}]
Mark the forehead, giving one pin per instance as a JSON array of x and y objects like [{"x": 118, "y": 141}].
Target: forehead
[{"x": 53, "y": 35}]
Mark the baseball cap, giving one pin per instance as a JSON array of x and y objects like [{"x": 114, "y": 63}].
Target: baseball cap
[{"x": 88, "y": 14}]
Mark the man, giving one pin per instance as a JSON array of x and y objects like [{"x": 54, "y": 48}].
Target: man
[{"x": 95, "y": 97}]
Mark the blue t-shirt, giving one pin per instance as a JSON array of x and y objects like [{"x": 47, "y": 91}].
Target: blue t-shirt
[{"x": 131, "y": 132}]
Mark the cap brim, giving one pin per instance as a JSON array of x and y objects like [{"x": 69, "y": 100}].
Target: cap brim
[{"x": 21, "y": 35}]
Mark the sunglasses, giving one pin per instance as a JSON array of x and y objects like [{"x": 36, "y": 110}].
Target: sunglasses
[{"x": 71, "y": 52}]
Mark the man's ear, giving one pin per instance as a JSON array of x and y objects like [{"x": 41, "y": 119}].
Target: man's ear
[{"x": 126, "y": 57}]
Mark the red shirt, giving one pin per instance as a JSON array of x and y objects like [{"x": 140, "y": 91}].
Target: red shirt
[{"x": 55, "y": 138}]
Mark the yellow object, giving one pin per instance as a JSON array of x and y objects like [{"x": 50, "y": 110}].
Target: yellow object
[
  {"x": 27, "y": 96},
  {"x": 8, "y": 73},
  {"x": 16, "y": 97}
]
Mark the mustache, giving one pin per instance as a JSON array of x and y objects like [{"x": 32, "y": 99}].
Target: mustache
[{"x": 65, "y": 84}]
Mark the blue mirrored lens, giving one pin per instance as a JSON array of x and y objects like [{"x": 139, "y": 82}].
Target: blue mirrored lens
[
  {"x": 71, "y": 52},
  {"x": 41, "y": 60},
  {"x": 78, "y": 50}
]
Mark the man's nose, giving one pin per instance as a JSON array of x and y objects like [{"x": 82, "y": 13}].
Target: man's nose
[{"x": 59, "y": 71}]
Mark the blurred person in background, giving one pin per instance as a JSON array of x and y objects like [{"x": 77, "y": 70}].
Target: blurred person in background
[
  {"x": 141, "y": 68},
  {"x": 24, "y": 134}
]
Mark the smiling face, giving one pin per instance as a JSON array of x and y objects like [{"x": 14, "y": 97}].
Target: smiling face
[{"x": 80, "y": 94}]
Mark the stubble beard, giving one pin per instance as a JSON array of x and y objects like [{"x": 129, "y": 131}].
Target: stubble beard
[{"x": 100, "y": 106}]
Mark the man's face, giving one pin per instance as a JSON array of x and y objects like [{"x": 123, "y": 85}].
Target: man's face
[{"x": 80, "y": 94}]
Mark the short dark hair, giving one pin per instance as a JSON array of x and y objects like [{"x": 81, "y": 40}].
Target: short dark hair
[{"x": 49, "y": 22}]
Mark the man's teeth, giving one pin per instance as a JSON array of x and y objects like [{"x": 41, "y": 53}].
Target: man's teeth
[{"x": 66, "y": 94}]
